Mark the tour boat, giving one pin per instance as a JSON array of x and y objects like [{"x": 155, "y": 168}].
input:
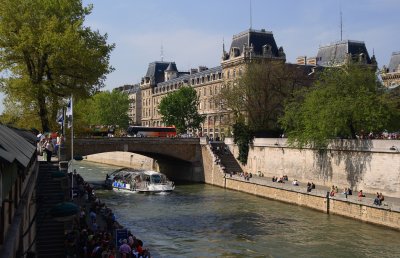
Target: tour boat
[{"x": 127, "y": 179}]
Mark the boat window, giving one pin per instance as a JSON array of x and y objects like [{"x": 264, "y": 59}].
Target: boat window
[{"x": 156, "y": 179}]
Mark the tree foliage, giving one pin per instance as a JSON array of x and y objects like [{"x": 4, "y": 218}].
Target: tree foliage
[
  {"x": 242, "y": 136},
  {"x": 343, "y": 102},
  {"x": 104, "y": 108},
  {"x": 47, "y": 54},
  {"x": 179, "y": 109},
  {"x": 261, "y": 91}
]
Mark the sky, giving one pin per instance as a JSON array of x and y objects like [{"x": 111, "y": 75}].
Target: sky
[{"x": 191, "y": 33}]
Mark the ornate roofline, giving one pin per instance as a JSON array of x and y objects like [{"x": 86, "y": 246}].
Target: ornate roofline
[
  {"x": 243, "y": 33},
  {"x": 342, "y": 42}
]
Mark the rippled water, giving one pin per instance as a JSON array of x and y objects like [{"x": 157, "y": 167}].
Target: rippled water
[{"x": 199, "y": 220}]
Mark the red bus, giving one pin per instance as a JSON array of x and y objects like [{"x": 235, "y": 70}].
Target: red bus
[{"x": 143, "y": 131}]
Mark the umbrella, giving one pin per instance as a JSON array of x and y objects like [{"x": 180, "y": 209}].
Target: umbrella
[{"x": 64, "y": 211}]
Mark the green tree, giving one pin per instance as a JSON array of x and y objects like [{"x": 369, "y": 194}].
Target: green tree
[
  {"x": 104, "y": 108},
  {"x": 179, "y": 109},
  {"x": 48, "y": 54},
  {"x": 343, "y": 102},
  {"x": 242, "y": 137},
  {"x": 259, "y": 94}
]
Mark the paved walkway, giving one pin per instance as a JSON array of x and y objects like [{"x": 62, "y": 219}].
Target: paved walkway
[{"x": 390, "y": 203}]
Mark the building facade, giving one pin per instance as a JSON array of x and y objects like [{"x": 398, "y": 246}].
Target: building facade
[
  {"x": 163, "y": 77},
  {"x": 391, "y": 75},
  {"x": 135, "y": 103}
]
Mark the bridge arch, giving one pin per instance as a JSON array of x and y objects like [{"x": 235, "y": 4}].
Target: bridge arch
[{"x": 180, "y": 159}]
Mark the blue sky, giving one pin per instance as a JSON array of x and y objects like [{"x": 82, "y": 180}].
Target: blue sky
[{"x": 191, "y": 32}]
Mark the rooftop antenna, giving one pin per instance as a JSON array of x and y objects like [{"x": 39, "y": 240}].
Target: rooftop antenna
[
  {"x": 341, "y": 24},
  {"x": 251, "y": 17},
  {"x": 162, "y": 52}
]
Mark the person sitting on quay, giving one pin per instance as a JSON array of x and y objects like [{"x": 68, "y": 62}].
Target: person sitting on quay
[
  {"x": 360, "y": 195},
  {"x": 309, "y": 187},
  {"x": 295, "y": 182},
  {"x": 379, "y": 199},
  {"x": 332, "y": 193},
  {"x": 274, "y": 179}
]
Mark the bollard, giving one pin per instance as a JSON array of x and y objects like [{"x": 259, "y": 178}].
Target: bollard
[{"x": 327, "y": 202}]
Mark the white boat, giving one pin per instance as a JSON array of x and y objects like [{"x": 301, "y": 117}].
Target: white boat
[{"x": 127, "y": 179}]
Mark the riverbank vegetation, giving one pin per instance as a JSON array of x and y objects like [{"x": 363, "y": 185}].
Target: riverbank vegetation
[{"x": 346, "y": 102}]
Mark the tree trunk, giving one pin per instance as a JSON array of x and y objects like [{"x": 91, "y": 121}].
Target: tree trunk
[
  {"x": 43, "y": 111},
  {"x": 353, "y": 131}
]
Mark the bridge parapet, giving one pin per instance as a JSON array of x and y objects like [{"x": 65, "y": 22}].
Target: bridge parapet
[{"x": 187, "y": 149}]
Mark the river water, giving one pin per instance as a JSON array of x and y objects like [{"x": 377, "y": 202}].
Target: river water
[{"x": 198, "y": 220}]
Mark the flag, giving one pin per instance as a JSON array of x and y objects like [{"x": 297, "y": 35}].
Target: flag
[
  {"x": 60, "y": 117},
  {"x": 69, "y": 112}
]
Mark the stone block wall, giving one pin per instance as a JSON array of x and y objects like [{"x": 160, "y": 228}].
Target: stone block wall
[{"x": 370, "y": 165}]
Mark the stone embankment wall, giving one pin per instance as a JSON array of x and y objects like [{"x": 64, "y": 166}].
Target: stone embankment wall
[
  {"x": 357, "y": 210},
  {"x": 368, "y": 165}
]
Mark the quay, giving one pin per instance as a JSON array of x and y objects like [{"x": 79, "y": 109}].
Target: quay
[{"x": 351, "y": 206}]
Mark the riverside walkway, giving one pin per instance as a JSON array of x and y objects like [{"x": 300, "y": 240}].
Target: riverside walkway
[
  {"x": 390, "y": 203},
  {"x": 228, "y": 163}
]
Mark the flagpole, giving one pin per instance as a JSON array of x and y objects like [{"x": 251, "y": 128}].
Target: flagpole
[
  {"x": 72, "y": 146},
  {"x": 72, "y": 128}
]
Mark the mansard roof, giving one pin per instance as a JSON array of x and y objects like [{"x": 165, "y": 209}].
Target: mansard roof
[
  {"x": 156, "y": 70},
  {"x": 337, "y": 52},
  {"x": 257, "y": 38},
  {"x": 394, "y": 64},
  {"x": 185, "y": 77},
  {"x": 171, "y": 67}
]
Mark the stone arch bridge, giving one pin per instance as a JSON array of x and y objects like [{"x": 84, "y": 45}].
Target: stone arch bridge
[{"x": 178, "y": 158}]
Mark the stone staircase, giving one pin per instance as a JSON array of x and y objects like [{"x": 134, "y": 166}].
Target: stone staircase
[
  {"x": 227, "y": 160},
  {"x": 50, "y": 233}
]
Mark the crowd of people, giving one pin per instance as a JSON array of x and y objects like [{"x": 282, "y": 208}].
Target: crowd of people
[{"x": 96, "y": 226}]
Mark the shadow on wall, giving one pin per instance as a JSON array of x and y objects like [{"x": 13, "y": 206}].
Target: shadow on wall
[
  {"x": 323, "y": 163},
  {"x": 355, "y": 162},
  {"x": 355, "y": 155}
]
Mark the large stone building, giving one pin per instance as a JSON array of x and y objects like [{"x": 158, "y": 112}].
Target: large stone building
[
  {"x": 164, "y": 77},
  {"x": 391, "y": 74}
]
